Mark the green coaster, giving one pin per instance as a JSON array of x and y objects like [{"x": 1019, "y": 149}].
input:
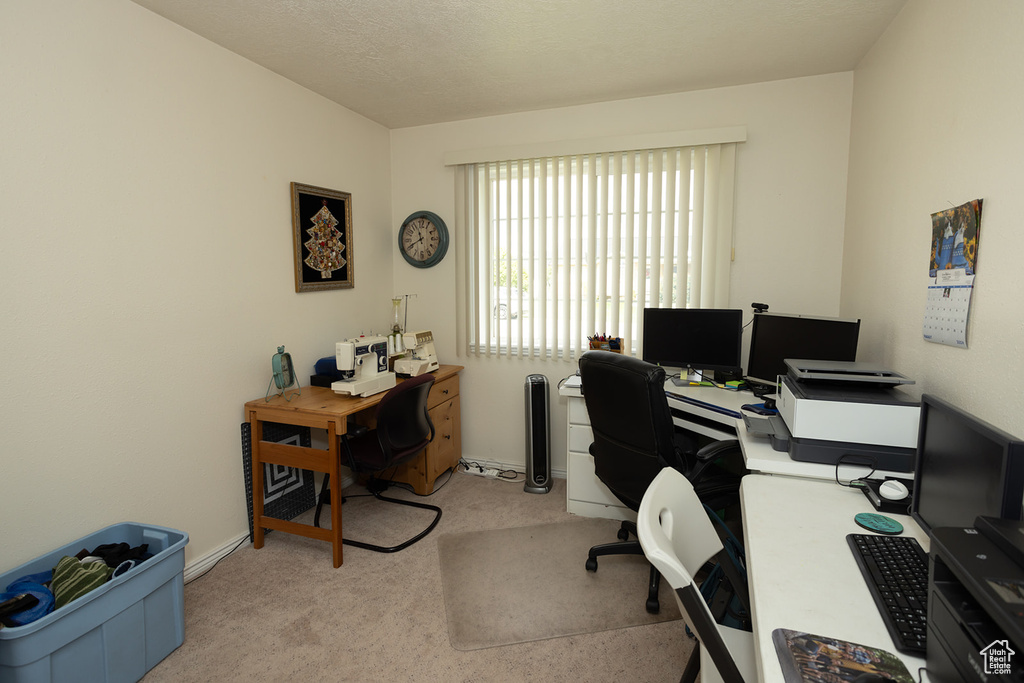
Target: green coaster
[{"x": 878, "y": 523}]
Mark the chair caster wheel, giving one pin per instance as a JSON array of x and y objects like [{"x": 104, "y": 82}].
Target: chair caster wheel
[
  {"x": 653, "y": 606},
  {"x": 591, "y": 564},
  {"x": 623, "y": 535}
]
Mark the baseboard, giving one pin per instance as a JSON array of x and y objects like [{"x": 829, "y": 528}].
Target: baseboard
[{"x": 198, "y": 567}]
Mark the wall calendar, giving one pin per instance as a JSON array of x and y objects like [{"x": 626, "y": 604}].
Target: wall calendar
[{"x": 954, "y": 255}]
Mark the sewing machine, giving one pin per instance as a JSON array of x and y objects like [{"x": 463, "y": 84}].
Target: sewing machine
[
  {"x": 363, "y": 362},
  {"x": 420, "y": 355}
]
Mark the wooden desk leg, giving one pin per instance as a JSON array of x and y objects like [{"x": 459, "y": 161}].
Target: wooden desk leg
[
  {"x": 256, "y": 431},
  {"x": 334, "y": 468}
]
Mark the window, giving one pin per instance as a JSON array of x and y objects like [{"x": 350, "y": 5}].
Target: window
[{"x": 559, "y": 248}]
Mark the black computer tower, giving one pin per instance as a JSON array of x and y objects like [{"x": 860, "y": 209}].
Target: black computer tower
[{"x": 538, "y": 436}]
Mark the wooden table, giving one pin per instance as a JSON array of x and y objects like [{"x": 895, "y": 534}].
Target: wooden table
[{"x": 321, "y": 408}]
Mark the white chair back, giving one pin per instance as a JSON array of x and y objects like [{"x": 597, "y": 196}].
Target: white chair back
[{"x": 678, "y": 539}]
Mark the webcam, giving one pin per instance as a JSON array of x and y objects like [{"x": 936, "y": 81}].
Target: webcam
[{"x": 759, "y": 308}]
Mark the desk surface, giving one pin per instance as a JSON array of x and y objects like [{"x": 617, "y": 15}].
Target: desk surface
[
  {"x": 802, "y": 573},
  {"x": 757, "y": 451}
]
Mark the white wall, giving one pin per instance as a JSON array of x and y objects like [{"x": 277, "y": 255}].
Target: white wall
[
  {"x": 790, "y": 203},
  {"x": 146, "y": 266},
  {"x": 937, "y": 122}
]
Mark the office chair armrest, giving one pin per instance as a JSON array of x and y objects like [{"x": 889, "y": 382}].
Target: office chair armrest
[
  {"x": 718, "y": 449},
  {"x": 713, "y": 452}
]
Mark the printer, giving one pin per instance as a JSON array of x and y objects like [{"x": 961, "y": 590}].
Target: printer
[
  {"x": 976, "y": 602},
  {"x": 849, "y": 411}
]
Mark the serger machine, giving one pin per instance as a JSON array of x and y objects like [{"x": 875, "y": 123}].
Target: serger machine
[
  {"x": 420, "y": 356},
  {"x": 363, "y": 362}
]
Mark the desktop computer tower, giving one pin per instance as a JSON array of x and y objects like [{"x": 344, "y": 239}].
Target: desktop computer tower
[{"x": 538, "y": 436}]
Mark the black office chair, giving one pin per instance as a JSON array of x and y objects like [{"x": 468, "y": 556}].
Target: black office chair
[
  {"x": 403, "y": 430},
  {"x": 634, "y": 438}
]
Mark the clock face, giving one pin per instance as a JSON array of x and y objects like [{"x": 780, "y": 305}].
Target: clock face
[{"x": 423, "y": 239}]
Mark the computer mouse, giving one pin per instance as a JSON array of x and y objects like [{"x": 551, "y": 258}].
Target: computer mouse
[{"x": 890, "y": 489}]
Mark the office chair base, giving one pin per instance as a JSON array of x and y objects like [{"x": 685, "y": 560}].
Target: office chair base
[
  {"x": 405, "y": 544},
  {"x": 375, "y": 486},
  {"x": 627, "y": 547}
]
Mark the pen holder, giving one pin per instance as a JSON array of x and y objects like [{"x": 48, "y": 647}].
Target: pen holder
[{"x": 613, "y": 344}]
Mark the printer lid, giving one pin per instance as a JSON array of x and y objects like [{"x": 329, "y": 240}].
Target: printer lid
[{"x": 854, "y": 372}]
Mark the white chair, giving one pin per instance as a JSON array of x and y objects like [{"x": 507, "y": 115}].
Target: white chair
[{"x": 678, "y": 538}]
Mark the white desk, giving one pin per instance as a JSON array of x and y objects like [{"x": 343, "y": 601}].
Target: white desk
[
  {"x": 801, "y": 572},
  {"x": 587, "y": 496}
]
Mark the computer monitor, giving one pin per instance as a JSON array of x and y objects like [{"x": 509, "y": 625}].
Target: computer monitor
[
  {"x": 775, "y": 337},
  {"x": 697, "y": 338},
  {"x": 964, "y": 468}
]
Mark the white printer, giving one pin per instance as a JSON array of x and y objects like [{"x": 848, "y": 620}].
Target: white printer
[{"x": 854, "y": 412}]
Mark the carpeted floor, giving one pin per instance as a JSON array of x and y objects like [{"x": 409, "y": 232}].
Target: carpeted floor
[
  {"x": 505, "y": 586},
  {"x": 284, "y": 613}
]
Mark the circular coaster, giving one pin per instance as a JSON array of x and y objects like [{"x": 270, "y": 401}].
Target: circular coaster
[{"x": 878, "y": 523}]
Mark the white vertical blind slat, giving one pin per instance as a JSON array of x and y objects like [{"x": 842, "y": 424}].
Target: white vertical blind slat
[{"x": 613, "y": 186}]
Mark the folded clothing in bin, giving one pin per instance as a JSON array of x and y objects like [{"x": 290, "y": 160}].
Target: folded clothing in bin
[{"x": 34, "y": 585}]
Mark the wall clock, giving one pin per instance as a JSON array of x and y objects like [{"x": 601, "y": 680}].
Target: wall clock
[{"x": 423, "y": 239}]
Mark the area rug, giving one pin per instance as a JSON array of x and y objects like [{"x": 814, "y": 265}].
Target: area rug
[{"x": 506, "y": 586}]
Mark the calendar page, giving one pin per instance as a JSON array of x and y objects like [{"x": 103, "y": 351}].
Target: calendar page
[{"x": 954, "y": 253}]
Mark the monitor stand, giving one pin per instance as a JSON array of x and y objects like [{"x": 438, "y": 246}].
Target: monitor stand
[{"x": 691, "y": 377}]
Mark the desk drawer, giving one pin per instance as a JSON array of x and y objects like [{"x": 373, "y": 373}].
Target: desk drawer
[
  {"x": 580, "y": 438},
  {"x": 577, "y": 410},
  {"x": 443, "y": 391}
]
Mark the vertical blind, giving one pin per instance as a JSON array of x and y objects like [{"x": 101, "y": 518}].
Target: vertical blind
[{"x": 554, "y": 250}]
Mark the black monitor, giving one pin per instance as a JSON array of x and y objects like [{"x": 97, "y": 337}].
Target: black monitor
[
  {"x": 775, "y": 337},
  {"x": 964, "y": 468},
  {"x": 697, "y": 338}
]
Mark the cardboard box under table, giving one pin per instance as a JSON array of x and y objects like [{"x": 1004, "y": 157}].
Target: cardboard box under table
[{"x": 116, "y": 632}]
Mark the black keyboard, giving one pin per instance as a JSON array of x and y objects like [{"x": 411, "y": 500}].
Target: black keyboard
[{"x": 896, "y": 571}]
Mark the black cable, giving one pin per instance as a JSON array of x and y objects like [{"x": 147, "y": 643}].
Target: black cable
[
  {"x": 237, "y": 546},
  {"x": 855, "y": 483}
]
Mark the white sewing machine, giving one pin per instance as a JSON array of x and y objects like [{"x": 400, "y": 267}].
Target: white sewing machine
[
  {"x": 420, "y": 357},
  {"x": 364, "y": 363}
]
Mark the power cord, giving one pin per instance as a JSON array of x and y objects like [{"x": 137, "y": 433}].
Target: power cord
[
  {"x": 237, "y": 546},
  {"x": 868, "y": 461}
]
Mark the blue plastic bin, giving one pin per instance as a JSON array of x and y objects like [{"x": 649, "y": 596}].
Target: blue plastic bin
[{"x": 116, "y": 632}]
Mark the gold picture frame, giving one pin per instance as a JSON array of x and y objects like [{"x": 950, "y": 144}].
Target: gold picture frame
[{"x": 322, "y": 238}]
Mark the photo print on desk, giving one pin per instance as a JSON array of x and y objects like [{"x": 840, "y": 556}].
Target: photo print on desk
[
  {"x": 322, "y": 236},
  {"x": 953, "y": 258}
]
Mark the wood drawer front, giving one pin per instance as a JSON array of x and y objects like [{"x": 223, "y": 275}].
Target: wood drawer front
[
  {"x": 584, "y": 484},
  {"x": 446, "y": 448},
  {"x": 443, "y": 391}
]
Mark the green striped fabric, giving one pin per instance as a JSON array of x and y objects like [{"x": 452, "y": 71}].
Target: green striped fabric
[{"x": 72, "y": 579}]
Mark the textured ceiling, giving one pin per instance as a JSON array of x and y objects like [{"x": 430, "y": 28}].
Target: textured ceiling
[{"x": 412, "y": 62}]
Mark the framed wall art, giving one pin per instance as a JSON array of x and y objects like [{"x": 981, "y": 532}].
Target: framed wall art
[{"x": 322, "y": 234}]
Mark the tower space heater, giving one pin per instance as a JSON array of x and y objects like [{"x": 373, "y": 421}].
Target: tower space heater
[{"x": 538, "y": 436}]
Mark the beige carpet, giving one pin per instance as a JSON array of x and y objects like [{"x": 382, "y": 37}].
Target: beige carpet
[
  {"x": 504, "y": 586},
  {"x": 284, "y": 613}
]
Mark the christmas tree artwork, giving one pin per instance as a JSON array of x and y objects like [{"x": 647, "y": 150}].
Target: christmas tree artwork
[{"x": 325, "y": 244}]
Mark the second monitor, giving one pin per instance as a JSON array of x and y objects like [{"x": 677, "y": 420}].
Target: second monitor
[
  {"x": 699, "y": 339},
  {"x": 775, "y": 337}
]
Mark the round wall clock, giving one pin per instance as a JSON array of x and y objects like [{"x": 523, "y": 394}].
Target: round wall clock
[{"x": 423, "y": 239}]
